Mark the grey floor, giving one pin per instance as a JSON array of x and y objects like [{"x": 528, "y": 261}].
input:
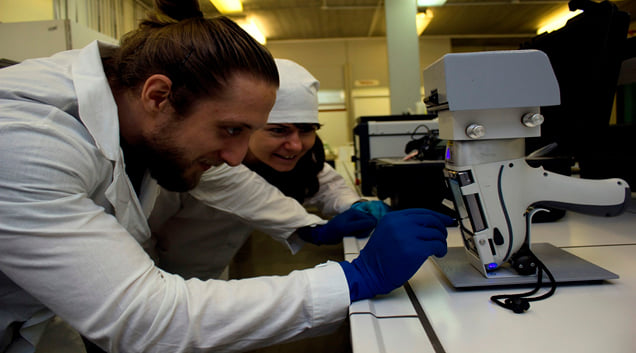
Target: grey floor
[{"x": 262, "y": 256}]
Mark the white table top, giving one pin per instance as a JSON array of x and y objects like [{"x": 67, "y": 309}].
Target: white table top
[{"x": 597, "y": 317}]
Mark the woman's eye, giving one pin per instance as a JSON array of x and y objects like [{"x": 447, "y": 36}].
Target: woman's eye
[
  {"x": 277, "y": 131},
  {"x": 307, "y": 128}
]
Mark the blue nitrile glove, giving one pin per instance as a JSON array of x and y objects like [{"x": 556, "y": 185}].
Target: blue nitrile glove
[
  {"x": 400, "y": 244},
  {"x": 375, "y": 208},
  {"x": 349, "y": 223}
]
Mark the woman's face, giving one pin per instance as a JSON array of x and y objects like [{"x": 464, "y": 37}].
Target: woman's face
[{"x": 280, "y": 146}]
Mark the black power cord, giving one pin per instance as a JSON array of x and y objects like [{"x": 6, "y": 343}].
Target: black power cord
[
  {"x": 422, "y": 148},
  {"x": 520, "y": 303}
]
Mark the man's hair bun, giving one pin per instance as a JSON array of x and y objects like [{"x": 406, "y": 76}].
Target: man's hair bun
[{"x": 179, "y": 9}]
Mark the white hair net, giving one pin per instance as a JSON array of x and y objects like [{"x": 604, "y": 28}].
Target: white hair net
[{"x": 297, "y": 97}]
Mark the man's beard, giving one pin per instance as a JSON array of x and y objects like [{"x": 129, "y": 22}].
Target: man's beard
[{"x": 167, "y": 165}]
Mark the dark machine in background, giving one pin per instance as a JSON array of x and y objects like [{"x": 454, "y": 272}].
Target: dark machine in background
[
  {"x": 587, "y": 55},
  {"x": 381, "y": 144}
]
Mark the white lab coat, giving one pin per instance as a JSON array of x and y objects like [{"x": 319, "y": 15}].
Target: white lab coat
[
  {"x": 214, "y": 220},
  {"x": 71, "y": 229}
]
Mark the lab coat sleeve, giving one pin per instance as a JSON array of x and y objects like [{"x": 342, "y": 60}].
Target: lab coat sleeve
[
  {"x": 65, "y": 250},
  {"x": 334, "y": 195},
  {"x": 246, "y": 195}
]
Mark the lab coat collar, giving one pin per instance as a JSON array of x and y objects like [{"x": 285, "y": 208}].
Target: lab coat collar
[
  {"x": 95, "y": 100},
  {"x": 98, "y": 112}
]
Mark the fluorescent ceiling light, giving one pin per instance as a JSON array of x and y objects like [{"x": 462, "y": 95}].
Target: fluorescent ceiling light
[
  {"x": 228, "y": 6},
  {"x": 250, "y": 27},
  {"x": 557, "y": 20},
  {"x": 429, "y": 3},
  {"x": 422, "y": 19}
]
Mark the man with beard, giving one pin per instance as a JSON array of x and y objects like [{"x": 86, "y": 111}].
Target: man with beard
[
  {"x": 207, "y": 226},
  {"x": 86, "y": 139}
]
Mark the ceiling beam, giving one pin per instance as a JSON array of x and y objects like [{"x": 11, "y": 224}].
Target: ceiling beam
[{"x": 376, "y": 15}]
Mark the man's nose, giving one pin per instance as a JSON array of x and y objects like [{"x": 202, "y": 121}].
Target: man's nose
[{"x": 234, "y": 154}]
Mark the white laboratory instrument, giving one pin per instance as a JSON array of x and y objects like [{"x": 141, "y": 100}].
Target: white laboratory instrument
[{"x": 487, "y": 104}]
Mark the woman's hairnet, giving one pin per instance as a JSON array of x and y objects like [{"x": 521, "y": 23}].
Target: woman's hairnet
[{"x": 297, "y": 97}]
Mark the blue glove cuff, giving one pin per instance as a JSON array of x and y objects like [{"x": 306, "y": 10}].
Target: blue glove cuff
[
  {"x": 309, "y": 234},
  {"x": 358, "y": 289}
]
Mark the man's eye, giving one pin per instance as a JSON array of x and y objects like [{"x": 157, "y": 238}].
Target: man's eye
[{"x": 233, "y": 131}]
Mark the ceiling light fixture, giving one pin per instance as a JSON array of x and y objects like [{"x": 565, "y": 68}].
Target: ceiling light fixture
[
  {"x": 422, "y": 19},
  {"x": 430, "y": 3},
  {"x": 228, "y": 6},
  {"x": 250, "y": 27},
  {"x": 557, "y": 20}
]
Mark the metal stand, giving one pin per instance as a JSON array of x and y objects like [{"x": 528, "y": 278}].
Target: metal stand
[{"x": 565, "y": 267}]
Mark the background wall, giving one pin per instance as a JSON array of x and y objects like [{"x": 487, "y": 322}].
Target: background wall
[
  {"x": 109, "y": 17},
  {"x": 356, "y": 70},
  {"x": 25, "y": 10}
]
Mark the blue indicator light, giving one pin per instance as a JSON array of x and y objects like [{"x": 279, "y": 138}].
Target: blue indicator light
[{"x": 492, "y": 266}]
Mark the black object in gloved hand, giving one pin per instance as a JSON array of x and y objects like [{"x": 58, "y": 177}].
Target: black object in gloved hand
[{"x": 352, "y": 223}]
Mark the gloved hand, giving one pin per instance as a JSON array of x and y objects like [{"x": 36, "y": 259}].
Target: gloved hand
[
  {"x": 349, "y": 223},
  {"x": 401, "y": 242},
  {"x": 375, "y": 208}
]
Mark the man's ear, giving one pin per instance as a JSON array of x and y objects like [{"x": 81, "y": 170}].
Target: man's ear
[{"x": 155, "y": 92}]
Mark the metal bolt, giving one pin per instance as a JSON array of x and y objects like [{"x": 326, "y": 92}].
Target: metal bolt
[
  {"x": 475, "y": 131},
  {"x": 532, "y": 119}
]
